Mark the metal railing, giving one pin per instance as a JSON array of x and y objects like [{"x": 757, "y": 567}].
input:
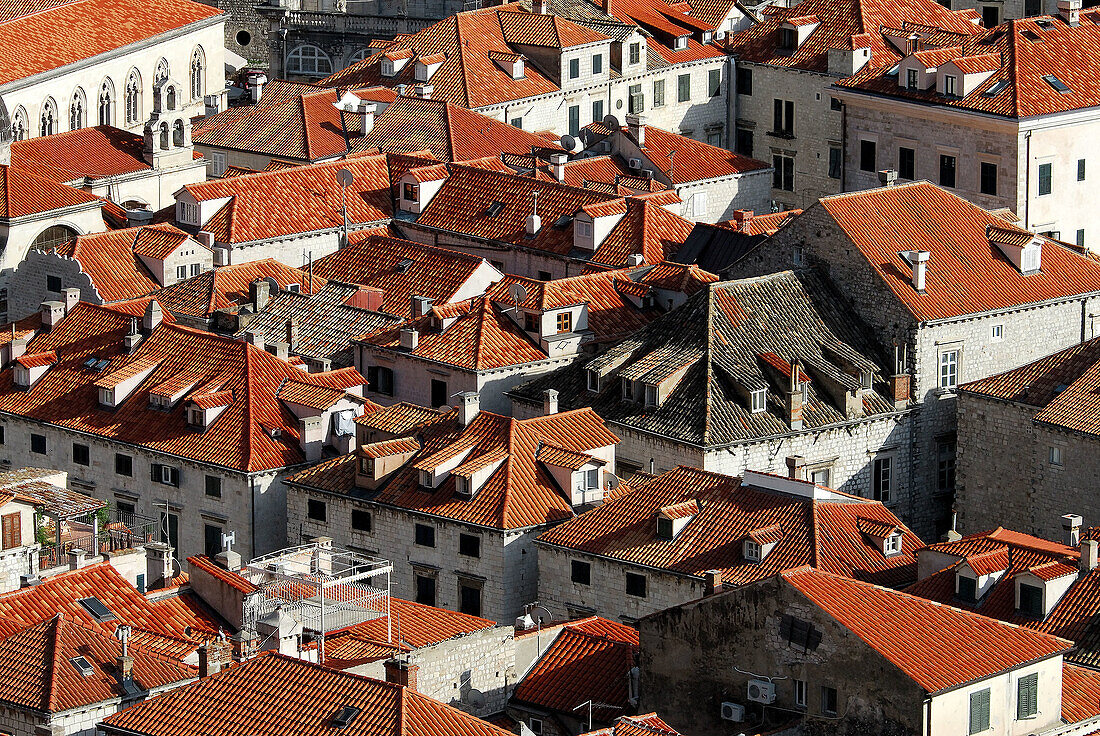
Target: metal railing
[
  {"x": 123, "y": 530},
  {"x": 376, "y": 25}
]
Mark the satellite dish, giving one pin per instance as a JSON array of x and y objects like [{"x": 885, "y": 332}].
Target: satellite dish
[
  {"x": 518, "y": 293},
  {"x": 611, "y": 121},
  {"x": 345, "y": 178},
  {"x": 569, "y": 143}
]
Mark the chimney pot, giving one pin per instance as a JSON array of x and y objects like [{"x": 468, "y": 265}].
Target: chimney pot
[
  {"x": 636, "y": 125},
  {"x": 125, "y": 667},
  {"x": 259, "y": 292},
  {"x": 795, "y": 465},
  {"x": 918, "y": 260},
  {"x": 1071, "y": 525},
  {"x": 153, "y": 316},
  {"x": 421, "y": 305},
  {"x": 70, "y": 296},
  {"x": 549, "y": 402},
  {"x": 712, "y": 582},
  {"x": 557, "y": 165}
]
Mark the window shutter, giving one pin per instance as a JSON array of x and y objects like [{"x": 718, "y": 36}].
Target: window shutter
[
  {"x": 154, "y": 472},
  {"x": 979, "y": 711},
  {"x": 1027, "y": 700},
  {"x": 174, "y": 475},
  {"x": 777, "y": 122},
  {"x": 11, "y": 531}
]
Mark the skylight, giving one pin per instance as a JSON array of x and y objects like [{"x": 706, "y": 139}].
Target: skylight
[
  {"x": 96, "y": 364},
  {"x": 1056, "y": 83},
  {"x": 96, "y": 609},
  {"x": 83, "y": 666},
  {"x": 345, "y": 716},
  {"x": 996, "y": 89},
  {"x": 495, "y": 209}
]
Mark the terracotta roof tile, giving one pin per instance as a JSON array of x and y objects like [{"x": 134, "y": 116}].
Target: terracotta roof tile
[
  {"x": 400, "y": 418},
  {"x": 583, "y": 663},
  {"x": 212, "y": 568},
  {"x": 272, "y": 688},
  {"x": 966, "y": 273},
  {"x": 32, "y": 46},
  {"x": 97, "y": 153},
  {"x": 1080, "y": 693},
  {"x": 109, "y": 259},
  {"x": 226, "y": 287},
  {"x": 24, "y": 193},
  {"x": 812, "y": 532},
  {"x": 938, "y": 647},
  {"x": 520, "y": 493},
  {"x": 649, "y": 724}
]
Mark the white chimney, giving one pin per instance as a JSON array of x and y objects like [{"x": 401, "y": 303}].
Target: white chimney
[
  {"x": 634, "y": 260},
  {"x": 636, "y": 125},
  {"x": 469, "y": 406},
  {"x": 70, "y": 296},
  {"x": 410, "y": 339},
  {"x": 52, "y": 314},
  {"x": 256, "y": 84},
  {"x": 541, "y": 7},
  {"x": 534, "y": 224},
  {"x": 918, "y": 259},
  {"x": 153, "y": 316},
  {"x": 888, "y": 177},
  {"x": 549, "y": 402},
  {"x": 1071, "y": 525},
  {"x": 557, "y": 165},
  {"x": 424, "y": 91},
  {"x": 366, "y": 112},
  {"x": 1088, "y": 549},
  {"x": 1070, "y": 11},
  {"x": 421, "y": 305}
]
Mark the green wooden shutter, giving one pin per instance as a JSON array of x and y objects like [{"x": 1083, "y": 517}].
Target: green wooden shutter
[
  {"x": 979, "y": 711},
  {"x": 1027, "y": 696}
]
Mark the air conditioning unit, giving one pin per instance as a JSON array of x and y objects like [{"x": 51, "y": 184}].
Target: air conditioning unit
[
  {"x": 761, "y": 691},
  {"x": 635, "y": 163},
  {"x": 733, "y": 712}
]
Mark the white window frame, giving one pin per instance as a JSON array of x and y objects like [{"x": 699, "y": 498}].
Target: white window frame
[
  {"x": 948, "y": 376},
  {"x": 891, "y": 545},
  {"x": 1055, "y": 456},
  {"x": 628, "y": 389},
  {"x": 752, "y": 551},
  {"x": 593, "y": 381},
  {"x": 997, "y": 332},
  {"x": 650, "y": 395},
  {"x": 759, "y": 400},
  {"x": 217, "y": 163},
  {"x": 800, "y": 693}
]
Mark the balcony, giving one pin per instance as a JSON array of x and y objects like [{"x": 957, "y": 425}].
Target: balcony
[{"x": 98, "y": 532}]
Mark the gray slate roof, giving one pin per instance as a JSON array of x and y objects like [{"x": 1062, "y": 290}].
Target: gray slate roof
[{"x": 721, "y": 335}]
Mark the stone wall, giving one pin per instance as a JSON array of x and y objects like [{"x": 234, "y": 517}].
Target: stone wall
[{"x": 697, "y": 656}]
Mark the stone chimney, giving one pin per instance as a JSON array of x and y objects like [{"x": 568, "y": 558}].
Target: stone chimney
[
  {"x": 1071, "y": 526},
  {"x": 76, "y": 558},
  {"x": 469, "y": 406},
  {"x": 796, "y": 467},
  {"x": 133, "y": 338},
  {"x": 366, "y": 116},
  {"x": 794, "y": 397},
  {"x": 311, "y": 433},
  {"x": 712, "y": 582},
  {"x": 158, "y": 563},
  {"x": 636, "y": 125},
  {"x": 292, "y": 333},
  {"x": 1070, "y": 11},
  {"x": 401, "y": 672},
  {"x": 1088, "y": 562},
  {"x": 256, "y": 82},
  {"x": 52, "y": 314},
  {"x": 252, "y": 337},
  {"x": 153, "y": 316},
  {"x": 634, "y": 260},
  {"x": 70, "y": 297},
  {"x": 424, "y": 91},
  {"x": 742, "y": 218},
  {"x": 421, "y": 305},
  {"x": 125, "y": 667},
  {"x": 549, "y": 402},
  {"x": 259, "y": 292},
  {"x": 918, "y": 261},
  {"x": 410, "y": 339}
]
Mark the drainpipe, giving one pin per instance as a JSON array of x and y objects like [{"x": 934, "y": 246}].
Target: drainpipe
[
  {"x": 731, "y": 103},
  {"x": 843, "y": 146},
  {"x": 1027, "y": 181}
]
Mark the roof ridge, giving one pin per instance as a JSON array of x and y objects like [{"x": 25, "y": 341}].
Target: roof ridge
[{"x": 51, "y": 657}]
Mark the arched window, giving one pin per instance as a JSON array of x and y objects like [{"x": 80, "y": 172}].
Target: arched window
[
  {"x": 177, "y": 133},
  {"x": 308, "y": 60},
  {"x": 161, "y": 72},
  {"x": 47, "y": 124},
  {"x": 357, "y": 57},
  {"x": 198, "y": 73},
  {"x": 53, "y": 236},
  {"x": 133, "y": 98},
  {"x": 164, "y": 136},
  {"x": 170, "y": 97},
  {"x": 106, "y": 103},
  {"x": 19, "y": 124},
  {"x": 78, "y": 110}
]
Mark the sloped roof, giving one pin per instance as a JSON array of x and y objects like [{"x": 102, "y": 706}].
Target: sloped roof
[
  {"x": 273, "y": 688},
  {"x": 839, "y": 21},
  {"x": 648, "y": 724},
  {"x": 731, "y": 338},
  {"x": 938, "y": 647},
  {"x": 520, "y": 493},
  {"x": 109, "y": 260},
  {"x": 1020, "y": 53},
  {"x": 589, "y": 659},
  {"x": 822, "y": 533},
  {"x": 237, "y": 439},
  {"x": 966, "y": 273},
  {"x": 402, "y": 269},
  {"x": 1062, "y": 387},
  {"x": 31, "y": 45},
  {"x": 97, "y": 153},
  {"x": 37, "y": 671},
  {"x": 298, "y": 199},
  {"x": 469, "y": 78},
  {"x": 226, "y": 287},
  {"x": 689, "y": 160},
  {"x": 24, "y": 193}
]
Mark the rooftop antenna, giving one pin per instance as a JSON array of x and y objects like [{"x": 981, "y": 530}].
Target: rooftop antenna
[{"x": 345, "y": 178}]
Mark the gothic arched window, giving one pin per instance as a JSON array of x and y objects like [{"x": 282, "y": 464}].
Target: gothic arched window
[
  {"x": 198, "y": 73},
  {"x": 133, "y": 98},
  {"x": 47, "y": 124},
  {"x": 106, "y": 102}
]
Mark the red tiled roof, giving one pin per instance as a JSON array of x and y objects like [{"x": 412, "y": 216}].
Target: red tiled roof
[
  {"x": 37, "y": 670},
  {"x": 109, "y": 260},
  {"x": 31, "y": 44},
  {"x": 649, "y": 724},
  {"x": 386, "y": 448},
  {"x": 1062, "y": 386},
  {"x": 1020, "y": 53},
  {"x": 97, "y": 153},
  {"x": 938, "y": 647},
  {"x": 226, "y": 287},
  {"x": 216, "y": 571},
  {"x": 1052, "y": 570},
  {"x": 677, "y": 277},
  {"x": 693, "y": 160},
  {"x": 418, "y": 626},
  {"x": 647, "y": 228},
  {"x": 813, "y": 532},
  {"x": 37, "y": 360},
  {"x": 276, "y": 689},
  {"x": 565, "y": 458},
  {"x": 24, "y": 193},
  {"x": 520, "y": 493},
  {"x": 966, "y": 273},
  {"x": 989, "y": 562},
  {"x": 589, "y": 659},
  {"x": 175, "y": 625},
  {"x": 237, "y": 438},
  {"x": 1080, "y": 693},
  {"x": 663, "y": 22},
  {"x": 295, "y": 200},
  {"x": 469, "y": 78},
  {"x": 481, "y": 338},
  {"x": 400, "y": 418},
  {"x": 840, "y": 20}
]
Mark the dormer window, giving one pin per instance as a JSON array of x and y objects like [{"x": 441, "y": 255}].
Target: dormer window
[
  {"x": 664, "y": 528},
  {"x": 966, "y": 588},
  {"x": 671, "y": 520},
  {"x": 752, "y": 551},
  {"x": 628, "y": 389},
  {"x": 426, "y": 480},
  {"x": 387, "y": 67},
  {"x": 411, "y": 192},
  {"x": 196, "y": 417},
  {"x": 650, "y": 395},
  {"x": 462, "y": 485},
  {"x": 759, "y": 400},
  {"x": 366, "y": 465},
  {"x": 950, "y": 85},
  {"x": 892, "y": 544},
  {"x": 564, "y": 322},
  {"x": 593, "y": 381},
  {"x": 788, "y": 39},
  {"x": 1031, "y": 600},
  {"x": 911, "y": 78},
  {"x": 680, "y": 43}
]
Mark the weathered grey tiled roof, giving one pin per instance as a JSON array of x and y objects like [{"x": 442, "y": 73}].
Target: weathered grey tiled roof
[
  {"x": 326, "y": 325},
  {"x": 734, "y": 337}
]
